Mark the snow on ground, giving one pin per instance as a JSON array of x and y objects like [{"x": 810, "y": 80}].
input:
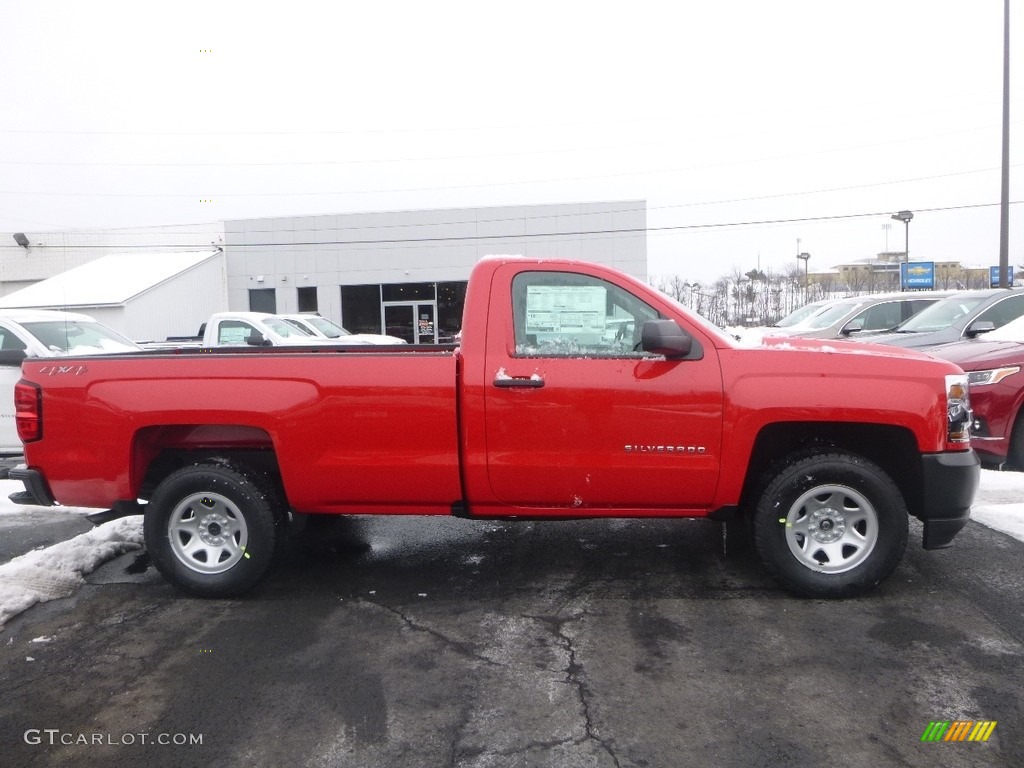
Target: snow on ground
[
  {"x": 56, "y": 571},
  {"x": 1000, "y": 502},
  {"x": 7, "y": 487}
]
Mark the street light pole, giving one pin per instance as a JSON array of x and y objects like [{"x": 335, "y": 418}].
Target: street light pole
[
  {"x": 1004, "y": 197},
  {"x": 804, "y": 257},
  {"x": 905, "y": 217}
]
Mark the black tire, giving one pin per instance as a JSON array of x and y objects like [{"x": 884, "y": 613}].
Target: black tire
[
  {"x": 830, "y": 525},
  {"x": 213, "y": 529},
  {"x": 1015, "y": 453}
]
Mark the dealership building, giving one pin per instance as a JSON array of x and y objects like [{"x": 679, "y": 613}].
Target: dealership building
[{"x": 397, "y": 272}]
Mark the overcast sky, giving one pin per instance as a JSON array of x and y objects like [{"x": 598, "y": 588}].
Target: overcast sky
[{"x": 820, "y": 117}]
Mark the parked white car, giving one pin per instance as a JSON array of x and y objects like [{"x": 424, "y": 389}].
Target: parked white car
[
  {"x": 45, "y": 333},
  {"x": 231, "y": 329},
  {"x": 323, "y": 328}
]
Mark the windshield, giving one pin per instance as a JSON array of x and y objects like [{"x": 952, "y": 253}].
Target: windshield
[
  {"x": 940, "y": 315},
  {"x": 78, "y": 337},
  {"x": 285, "y": 329},
  {"x": 326, "y": 327},
  {"x": 709, "y": 327},
  {"x": 826, "y": 317},
  {"x": 797, "y": 315}
]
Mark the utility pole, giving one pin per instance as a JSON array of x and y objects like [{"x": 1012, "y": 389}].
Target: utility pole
[{"x": 1004, "y": 199}]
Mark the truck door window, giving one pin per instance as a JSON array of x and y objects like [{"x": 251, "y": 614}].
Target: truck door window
[
  {"x": 562, "y": 314},
  {"x": 1005, "y": 311},
  {"x": 10, "y": 342},
  {"x": 881, "y": 317},
  {"x": 234, "y": 332}
]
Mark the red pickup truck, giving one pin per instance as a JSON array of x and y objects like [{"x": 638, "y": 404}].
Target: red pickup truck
[{"x": 576, "y": 391}]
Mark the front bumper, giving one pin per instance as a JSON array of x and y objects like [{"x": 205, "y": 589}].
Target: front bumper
[
  {"x": 36, "y": 492},
  {"x": 950, "y": 481}
]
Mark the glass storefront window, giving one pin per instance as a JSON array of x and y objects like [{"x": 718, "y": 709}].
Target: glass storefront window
[
  {"x": 360, "y": 308},
  {"x": 408, "y": 292},
  {"x": 451, "y": 298}
]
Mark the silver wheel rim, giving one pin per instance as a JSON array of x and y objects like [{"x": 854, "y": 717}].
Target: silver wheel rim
[
  {"x": 208, "y": 532},
  {"x": 831, "y": 529}
]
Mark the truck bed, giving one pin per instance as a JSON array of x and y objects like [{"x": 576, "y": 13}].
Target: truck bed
[{"x": 329, "y": 416}]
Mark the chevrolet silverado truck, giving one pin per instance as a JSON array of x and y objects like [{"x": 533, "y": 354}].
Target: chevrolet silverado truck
[{"x": 576, "y": 392}]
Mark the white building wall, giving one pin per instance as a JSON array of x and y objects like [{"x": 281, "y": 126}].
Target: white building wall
[
  {"x": 50, "y": 253},
  {"x": 177, "y": 307},
  {"x": 421, "y": 246},
  {"x": 111, "y": 316}
]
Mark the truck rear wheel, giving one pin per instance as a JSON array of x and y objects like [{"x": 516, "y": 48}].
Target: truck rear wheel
[
  {"x": 830, "y": 525},
  {"x": 212, "y": 529}
]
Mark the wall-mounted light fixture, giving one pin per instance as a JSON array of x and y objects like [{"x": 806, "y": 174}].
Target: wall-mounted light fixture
[{"x": 20, "y": 239}]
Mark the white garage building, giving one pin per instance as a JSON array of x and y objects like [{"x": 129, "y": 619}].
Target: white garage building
[
  {"x": 404, "y": 272},
  {"x": 397, "y": 272},
  {"x": 144, "y": 296}
]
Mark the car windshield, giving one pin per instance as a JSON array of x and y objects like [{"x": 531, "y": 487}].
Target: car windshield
[
  {"x": 826, "y": 317},
  {"x": 78, "y": 337},
  {"x": 940, "y": 315},
  {"x": 326, "y": 327},
  {"x": 285, "y": 329},
  {"x": 798, "y": 315}
]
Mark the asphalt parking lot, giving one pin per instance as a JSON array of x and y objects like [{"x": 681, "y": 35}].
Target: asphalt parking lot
[{"x": 442, "y": 642}]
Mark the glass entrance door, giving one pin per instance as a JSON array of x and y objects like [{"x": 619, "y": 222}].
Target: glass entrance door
[{"x": 413, "y": 321}]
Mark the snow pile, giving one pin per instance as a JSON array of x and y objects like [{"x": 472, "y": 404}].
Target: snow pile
[
  {"x": 57, "y": 571},
  {"x": 999, "y": 503}
]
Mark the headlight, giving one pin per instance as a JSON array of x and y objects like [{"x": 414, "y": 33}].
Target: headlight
[
  {"x": 993, "y": 376},
  {"x": 958, "y": 409}
]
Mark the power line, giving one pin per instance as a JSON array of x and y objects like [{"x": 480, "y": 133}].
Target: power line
[{"x": 562, "y": 233}]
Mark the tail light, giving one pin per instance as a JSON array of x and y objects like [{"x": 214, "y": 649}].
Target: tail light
[
  {"x": 958, "y": 409},
  {"x": 28, "y": 411}
]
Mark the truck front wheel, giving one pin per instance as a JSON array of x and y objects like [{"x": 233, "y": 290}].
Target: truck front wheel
[
  {"x": 211, "y": 529},
  {"x": 830, "y": 525}
]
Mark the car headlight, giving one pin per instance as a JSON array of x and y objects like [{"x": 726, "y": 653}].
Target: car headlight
[
  {"x": 958, "y": 410},
  {"x": 992, "y": 376}
]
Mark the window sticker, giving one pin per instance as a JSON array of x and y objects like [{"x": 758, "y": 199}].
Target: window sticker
[{"x": 555, "y": 312}]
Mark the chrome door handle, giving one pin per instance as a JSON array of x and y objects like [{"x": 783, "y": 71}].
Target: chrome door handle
[{"x": 507, "y": 382}]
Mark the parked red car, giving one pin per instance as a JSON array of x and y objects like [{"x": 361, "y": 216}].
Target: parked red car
[{"x": 994, "y": 364}]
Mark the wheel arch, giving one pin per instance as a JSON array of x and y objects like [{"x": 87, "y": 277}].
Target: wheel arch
[
  {"x": 159, "y": 450},
  {"x": 892, "y": 448}
]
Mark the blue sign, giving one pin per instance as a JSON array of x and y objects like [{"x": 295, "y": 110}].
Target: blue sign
[
  {"x": 918, "y": 274},
  {"x": 993, "y": 276}
]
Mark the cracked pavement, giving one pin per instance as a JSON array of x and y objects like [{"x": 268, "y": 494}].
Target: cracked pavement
[{"x": 593, "y": 644}]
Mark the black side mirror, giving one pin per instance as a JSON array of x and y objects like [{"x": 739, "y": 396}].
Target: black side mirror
[
  {"x": 979, "y": 327},
  {"x": 257, "y": 339},
  {"x": 665, "y": 337},
  {"x": 12, "y": 357},
  {"x": 854, "y": 326}
]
